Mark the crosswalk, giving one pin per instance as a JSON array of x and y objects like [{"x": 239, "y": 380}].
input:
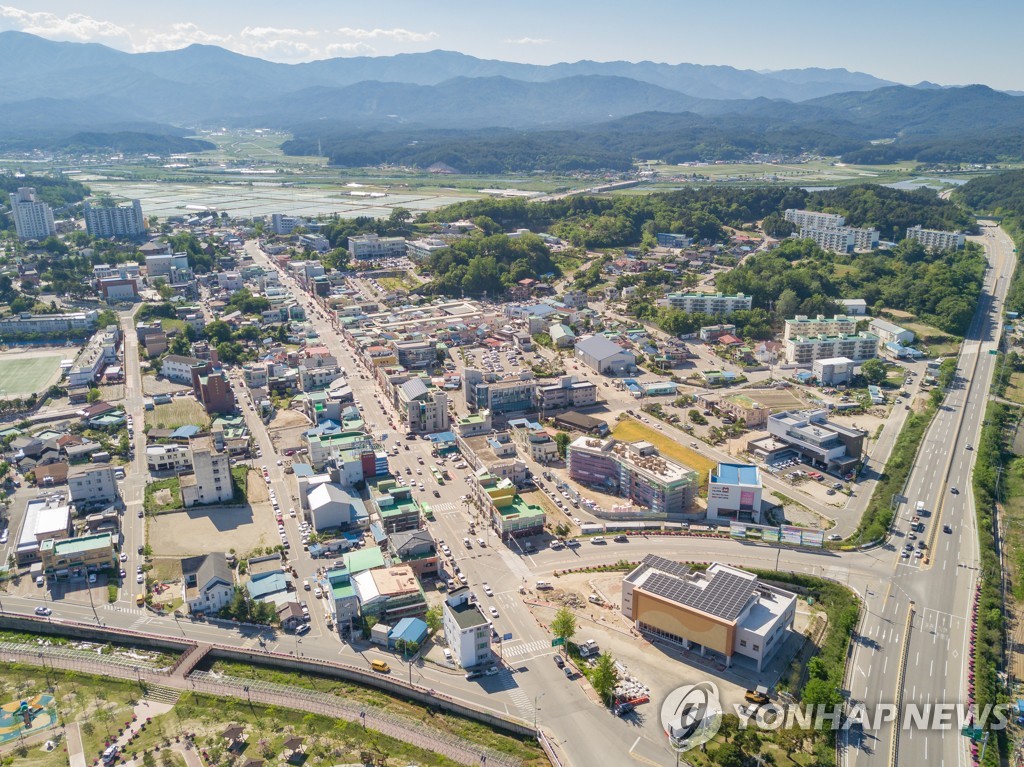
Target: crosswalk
[
  {"x": 521, "y": 701},
  {"x": 440, "y": 508},
  {"x": 121, "y": 609},
  {"x": 517, "y": 649}
]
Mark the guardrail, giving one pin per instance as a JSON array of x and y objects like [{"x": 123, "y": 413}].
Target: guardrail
[{"x": 894, "y": 741}]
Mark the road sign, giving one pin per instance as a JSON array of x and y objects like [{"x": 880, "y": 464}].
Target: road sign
[
  {"x": 900, "y": 498},
  {"x": 506, "y": 637},
  {"x": 558, "y": 641},
  {"x": 974, "y": 733},
  {"x": 993, "y": 351}
]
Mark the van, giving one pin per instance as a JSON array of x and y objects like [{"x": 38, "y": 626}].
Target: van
[
  {"x": 380, "y": 667},
  {"x": 543, "y": 585},
  {"x": 110, "y": 755},
  {"x": 140, "y": 600}
]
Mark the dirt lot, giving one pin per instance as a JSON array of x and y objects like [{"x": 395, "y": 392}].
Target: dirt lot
[
  {"x": 286, "y": 429},
  {"x": 159, "y": 385},
  {"x": 212, "y": 528},
  {"x": 257, "y": 488},
  {"x": 776, "y": 399}
]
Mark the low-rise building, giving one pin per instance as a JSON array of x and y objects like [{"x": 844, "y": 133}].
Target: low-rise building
[
  {"x": 566, "y": 392},
  {"x": 734, "y": 493},
  {"x": 62, "y": 557},
  {"x": 397, "y": 509},
  {"x": 45, "y": 518},
  {"x": 533, "y": 440},
  {"x": 371, "y": 247},
  {"x": 604, "y": 356},
  {"x": 415, "y": 548},
  {"x": 389, "y": 594},
  {"x": 168, "y": 458},
  {"x": 207, "y": 583},
  {"x": 810, "y": 434},
  {"x": 833, "y": 371},
  {"x": 723, "y": 610},
  {"x": 889, "y": 333},
  {"x": 466, "y": 630},
  {"x": 92, "y": 483},
  {"x": 334, "y": 507},
  {"x": 423, "y": 409},
  {"x": 179, "y": 369}
]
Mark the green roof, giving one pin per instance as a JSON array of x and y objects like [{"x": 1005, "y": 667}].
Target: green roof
[
  {"x": 364, "y": 559},
  {"x": 69, "y": 546},
  {"x": 342, "y": 590},
  {"x": 521, "y": 509}
]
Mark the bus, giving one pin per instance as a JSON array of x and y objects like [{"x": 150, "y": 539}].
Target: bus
[
  {"x": 428, "y": 512},
  {"x": 437, "y": 475}
]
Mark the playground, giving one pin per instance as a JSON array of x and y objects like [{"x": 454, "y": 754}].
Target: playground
[{"x": 23, "y": 717}]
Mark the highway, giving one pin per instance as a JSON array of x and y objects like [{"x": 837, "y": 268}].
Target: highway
[{"x": 936, "y": 650}]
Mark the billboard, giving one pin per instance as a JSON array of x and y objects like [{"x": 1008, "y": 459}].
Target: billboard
[
  {"x": 770, "y": 535},
  {"x": 790, "y": 534},
  {"x": 737, "y": 530},
  {"x": 814, "y": 538}
]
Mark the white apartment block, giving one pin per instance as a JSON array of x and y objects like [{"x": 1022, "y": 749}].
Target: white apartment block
[
  {"x": 813, "y": 219},
  {"x": 282, "y": 224},
  {"x": 936, "y": 238},
  {"x": 179, "y": 369},
  {"x": 92, "y": 483},
  {"x": 33, "y": 218},
  {"x": 97, "y": 354},
  {"x": 466, "y": 629},
  {"x": 210, "y": 480},
  {"x": 419, "y": 250},
  {"x": 804, "y": 350},
  {"x": 371, "y": 246},
  {"x": 168, "y": 458},
  {"x": 115, "y": 221},
  {"x": 841, "y": 239},
  {"x": 706, "y": 303},
  {"x": 802, "y": 325}
]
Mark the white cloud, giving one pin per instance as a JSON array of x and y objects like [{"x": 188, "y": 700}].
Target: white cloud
[
  {"x": 349, "y": 49},
  {"x": 75, "y": 26},
  {"x": 179, "y": 36},
  {"x": 263, "y": 33},
  {"x": 528, "y": 41},
  {"x": 399, "y": 35}
]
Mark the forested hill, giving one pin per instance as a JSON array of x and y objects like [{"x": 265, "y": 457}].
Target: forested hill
[
  {"x": 701, "y": 212},
  {"x": 56, "y": 192}
]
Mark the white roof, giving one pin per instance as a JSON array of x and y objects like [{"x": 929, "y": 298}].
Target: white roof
[{"x": 599, "y": 347}]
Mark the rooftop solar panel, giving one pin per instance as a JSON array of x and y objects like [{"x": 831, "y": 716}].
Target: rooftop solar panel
[{"x": 724, "y": 595}]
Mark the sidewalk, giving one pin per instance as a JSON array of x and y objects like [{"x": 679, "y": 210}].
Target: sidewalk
[{"x": 76, "y": 753}]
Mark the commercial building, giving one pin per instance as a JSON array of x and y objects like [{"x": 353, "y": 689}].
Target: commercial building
[
  {"x": 574, "y": 421},
  {"x": 604, "y": 356},
  {"x": 353, "y": 453},
  {"x": 936, "y": 238},
  {"x": 92, "y": 483},
  {"x": 210, "y": 480},
  {"x": 61, "y": 558},
  {"x": 46, "y": 517},
  {"x": 510, "y": 515},
  {"x": 706, "y": 303},
  {"x": 415, "y": 548},
  {"x": 424, "y": 410},
  {"x": 833, "y": 371},
  {"x": 33, "y": 218},
  {"x": 816, "y": 439},
  {"x": 566, "y": 392},
  {"x": 804, "y": 350},
  {"x": 504, "y": 396},
  {"x": 734, "y": 492},
  {"x": 389, "y": 594},
  {"x": 164, "y": 265},
  {"x": 635, "y": 471},
  {"x": 397, "y": 509},
  {"x": 466, "y": 630},
  {"x": 370, "y": 247},
  {"x": 106, "y": 221},
  {"x": 168, "y": 458},
  {"x": 332, "y": 507},
  {"x": 723, "y": 610},
  {"x": 889, "y": 333},
  {"x": 802, "y": 325},
  {"x": 802, "y": 218},
  {"x": 533, "y": 440}
]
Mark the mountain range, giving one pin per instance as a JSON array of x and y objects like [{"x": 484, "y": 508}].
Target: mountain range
[{"x": 90, "y": 90}]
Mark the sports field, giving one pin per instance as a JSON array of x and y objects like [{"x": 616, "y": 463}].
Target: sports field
[{"x": 25, "y": 373}]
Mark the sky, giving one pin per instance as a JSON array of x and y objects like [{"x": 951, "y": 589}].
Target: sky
[{"x": 906, "y": 41}]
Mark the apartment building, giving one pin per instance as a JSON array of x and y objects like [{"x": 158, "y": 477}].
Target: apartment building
[
  {"x": 706, "y": 303},
  {"x": 369, "y": 247},
  {"x": 635, "y": 471},
  {"x": 804, "y": 350},
  {"x": 802, "y": 325},
  {"x": 107, "y": 221},
  {"x": 92, "y": 483},
  {"x": 282, "y": 224},
  {"x": 213, "y": 390},
  {"x": 33, "y": 218},
  {"x": 841, "y": 239},
  {"x": 936, "y": 238},
  {"x": 466, "y": 630},
  {"x": 210, "y": 479},
  {"x": 812, "y": 218},
  {"x": 162, "y": 459}
]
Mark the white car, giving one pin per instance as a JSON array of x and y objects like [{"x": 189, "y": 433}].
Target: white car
[
  {"x": 124, "y": 556},
  {"x": 463, "y": 578},
  {"x": 493, "y": 611},
  {"x": 140, "y": 578},
  {"x": 488, "y": 591}
]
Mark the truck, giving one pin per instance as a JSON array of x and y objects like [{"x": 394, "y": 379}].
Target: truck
[{"x": 920, "y": 507}]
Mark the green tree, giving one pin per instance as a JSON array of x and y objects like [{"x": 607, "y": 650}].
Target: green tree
[
  {"x": 562, "y": 443},
  {"x": 729, "y": 755},
  {"x": 788, "y": 304},
  {"x": 93, "y": 395},
  {"x": 563, "y": 625},
  {"x": 604, "y": 677},
  {"x": 433, "y": 619},
  {"x": 873, "y": 371},
  {"x": 218, "y": 331}
]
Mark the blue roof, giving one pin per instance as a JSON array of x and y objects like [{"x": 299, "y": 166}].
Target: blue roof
[
  {"x": 270, "y": 584},
  {"x": 737, "y": 474},
  {"x": 443, "y": 436},
  {"x": 303, "y": 470},
  {"x": 184, "y": 432},
  {"x": 410, "y": 630},
  {"x": 377, "y": 531}
]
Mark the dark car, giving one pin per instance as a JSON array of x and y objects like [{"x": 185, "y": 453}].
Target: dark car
[
  {"x": 437, "y": 494},
  {"x": 558, "y": 661},
  {"x": 621, "y": 539},
  {"x": 947, "y": 529},
  {"x": 568, "y": 672},
  {"x": 954, "y": 491}
]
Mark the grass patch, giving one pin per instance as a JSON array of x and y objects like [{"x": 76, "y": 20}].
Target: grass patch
[
  {"x": 524, "y": 749},
  {"x": 631, "y": 430},
  {"x": 172, "y": 325},
  {"x": 19, "y": 377},
  {"x": 931, "y": 340},
  {"x": 181, "y": 411},
  {"x": 240, "y": 483},
  {"x": 1014, "y": 390},
  {"x": 163, "y": 495}
]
